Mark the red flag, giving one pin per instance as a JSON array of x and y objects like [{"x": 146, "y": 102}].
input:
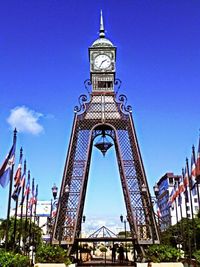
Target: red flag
[
  {"x": 186, "y": 179},
  {"x": 198, "y": 162},
  {"x": 17, "y": 177},
  {"x": 193, "y": 173}
]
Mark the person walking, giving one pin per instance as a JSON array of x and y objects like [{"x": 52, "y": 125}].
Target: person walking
[
  {"x": 114, "y": 249},
  {"x": 121, "y": 253}
]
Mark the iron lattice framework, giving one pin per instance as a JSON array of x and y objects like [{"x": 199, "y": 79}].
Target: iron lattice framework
[{"x": 104, "y": 114}]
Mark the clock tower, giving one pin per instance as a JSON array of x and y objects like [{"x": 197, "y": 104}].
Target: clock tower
[
  {"x": 99, "y": 115},
  {"x": 102, "y": 55}
]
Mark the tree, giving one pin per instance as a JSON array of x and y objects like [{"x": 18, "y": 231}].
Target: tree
[
  {"x": 185, "y": 232},
  {"x": 30, "y": 238}
]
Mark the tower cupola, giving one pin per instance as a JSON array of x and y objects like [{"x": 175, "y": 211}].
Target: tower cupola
[{"x": 102, "y": 55}]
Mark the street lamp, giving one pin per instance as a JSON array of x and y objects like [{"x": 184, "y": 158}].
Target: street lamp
[
  {"x": 124, "y": 221},
  {"x": 54, "y": 191},
  {"x": 53, "y": 203}
]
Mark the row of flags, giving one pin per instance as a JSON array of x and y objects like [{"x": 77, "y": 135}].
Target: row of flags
[
  {"x": 22, "y": 183},
  {"x": 188, "y": 181}
]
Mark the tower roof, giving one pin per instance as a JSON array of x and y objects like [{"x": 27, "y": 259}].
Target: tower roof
[{"x": 102, "y": 41}]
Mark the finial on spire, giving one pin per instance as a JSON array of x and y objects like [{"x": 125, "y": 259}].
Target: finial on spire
[{"x": 102, "y": 31}]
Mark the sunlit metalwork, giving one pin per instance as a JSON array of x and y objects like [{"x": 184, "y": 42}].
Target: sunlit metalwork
[{"x": 104, "y": 115}]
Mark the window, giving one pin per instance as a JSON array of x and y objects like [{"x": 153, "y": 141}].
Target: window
[
  {"x": 171, "y": 181},
  {"x": 104, "y": 84},
  {"x": 195, "y": 200}
]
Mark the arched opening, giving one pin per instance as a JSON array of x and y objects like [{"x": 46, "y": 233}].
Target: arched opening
[{"x": 104, "y": 201}]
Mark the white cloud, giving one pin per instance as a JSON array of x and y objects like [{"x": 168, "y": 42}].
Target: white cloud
[{"x": 25, "y": 120}]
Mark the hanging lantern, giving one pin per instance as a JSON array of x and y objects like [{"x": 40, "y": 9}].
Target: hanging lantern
[{"x": 103, "y": 144}]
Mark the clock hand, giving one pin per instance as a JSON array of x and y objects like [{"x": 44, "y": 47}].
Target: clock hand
[{"x": 102, "y": 62}]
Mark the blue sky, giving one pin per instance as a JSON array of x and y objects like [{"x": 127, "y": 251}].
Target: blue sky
[{"x": 44, "y": 62}]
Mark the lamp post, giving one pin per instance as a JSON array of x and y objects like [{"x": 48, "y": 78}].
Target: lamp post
[
  {"x": 124, "y": 221},
  {"x": 54, "y": 190}
]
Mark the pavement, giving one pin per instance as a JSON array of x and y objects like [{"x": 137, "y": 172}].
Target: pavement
[{"x": 103, "y": 262}]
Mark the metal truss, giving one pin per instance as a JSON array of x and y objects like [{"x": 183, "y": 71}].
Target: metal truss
[{"x": 103, "y": 113}]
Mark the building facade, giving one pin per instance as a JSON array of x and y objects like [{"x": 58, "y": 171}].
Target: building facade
[{"x": 174, "y": 200}]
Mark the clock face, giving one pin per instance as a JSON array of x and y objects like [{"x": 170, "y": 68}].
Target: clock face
[{"x": 102, "y": 61}]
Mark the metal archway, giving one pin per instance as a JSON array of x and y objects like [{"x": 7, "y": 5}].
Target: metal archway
[{"x": 104, "y": 113}]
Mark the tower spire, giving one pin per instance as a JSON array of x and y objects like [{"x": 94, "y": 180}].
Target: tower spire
[{"x": 102, "y": 31}]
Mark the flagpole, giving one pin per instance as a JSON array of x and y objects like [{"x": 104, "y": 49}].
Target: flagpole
[
  {"x": 21, "y": 204},
  {"x": 34, "y": 245},
  {"x": 31, "y": 213},
  {"x": 10, "y": 192},
  {"x": 186, "y": 183},
  {"x": 198, "y": 171},
  {"x": 194, "y": 224},
  {"x": 191, "y": 206},
  {"x": 198, "y": 193},
  {"x": 192, "y": 212},
  {"x": 30, "y": 227},
  {"x": 197, "y": 184},
  {"x": 181, "y": 208},
  {"x": 26, "y": 218},
  {"x": 16, "y": 207},
  {"x": 176, "y": 210},
  {"x": 180, "y": 205},
  {"x": 176, "y": 204},
  {"x": 180, "y": 200}
]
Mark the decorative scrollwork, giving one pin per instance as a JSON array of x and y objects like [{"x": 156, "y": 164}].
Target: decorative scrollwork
[
  {"x": 123, "y": 101},
  {"x": 81, "y": 108},
  {"x": 117, "y": 84},
  {"x": 88, "y": 84}
]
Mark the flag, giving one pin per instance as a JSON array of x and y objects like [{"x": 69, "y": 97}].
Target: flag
[
  {"x": 36, "y": 194},
  {"x": 17, "y": 178},
  {"x": 22, "y": 182},
  {"x": 27, "y": 190},
  {"x": 181, "y": 183},
  {"x": 32, "y": 200},
  {"x": 198, "y": 162},
  {"x": 33, "y": 188},
  {"x": 193, "y": 176},
  {"x": 17, "y": 190},
  {"x": 6, "y": 168},
  {"x": 175, "y": 193},
  {"x": 171, "y": 199},
  {"x": 186, "y": 179},
  {"x": 54, "y": 208},
  {"x": 181, "y": 191}
]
